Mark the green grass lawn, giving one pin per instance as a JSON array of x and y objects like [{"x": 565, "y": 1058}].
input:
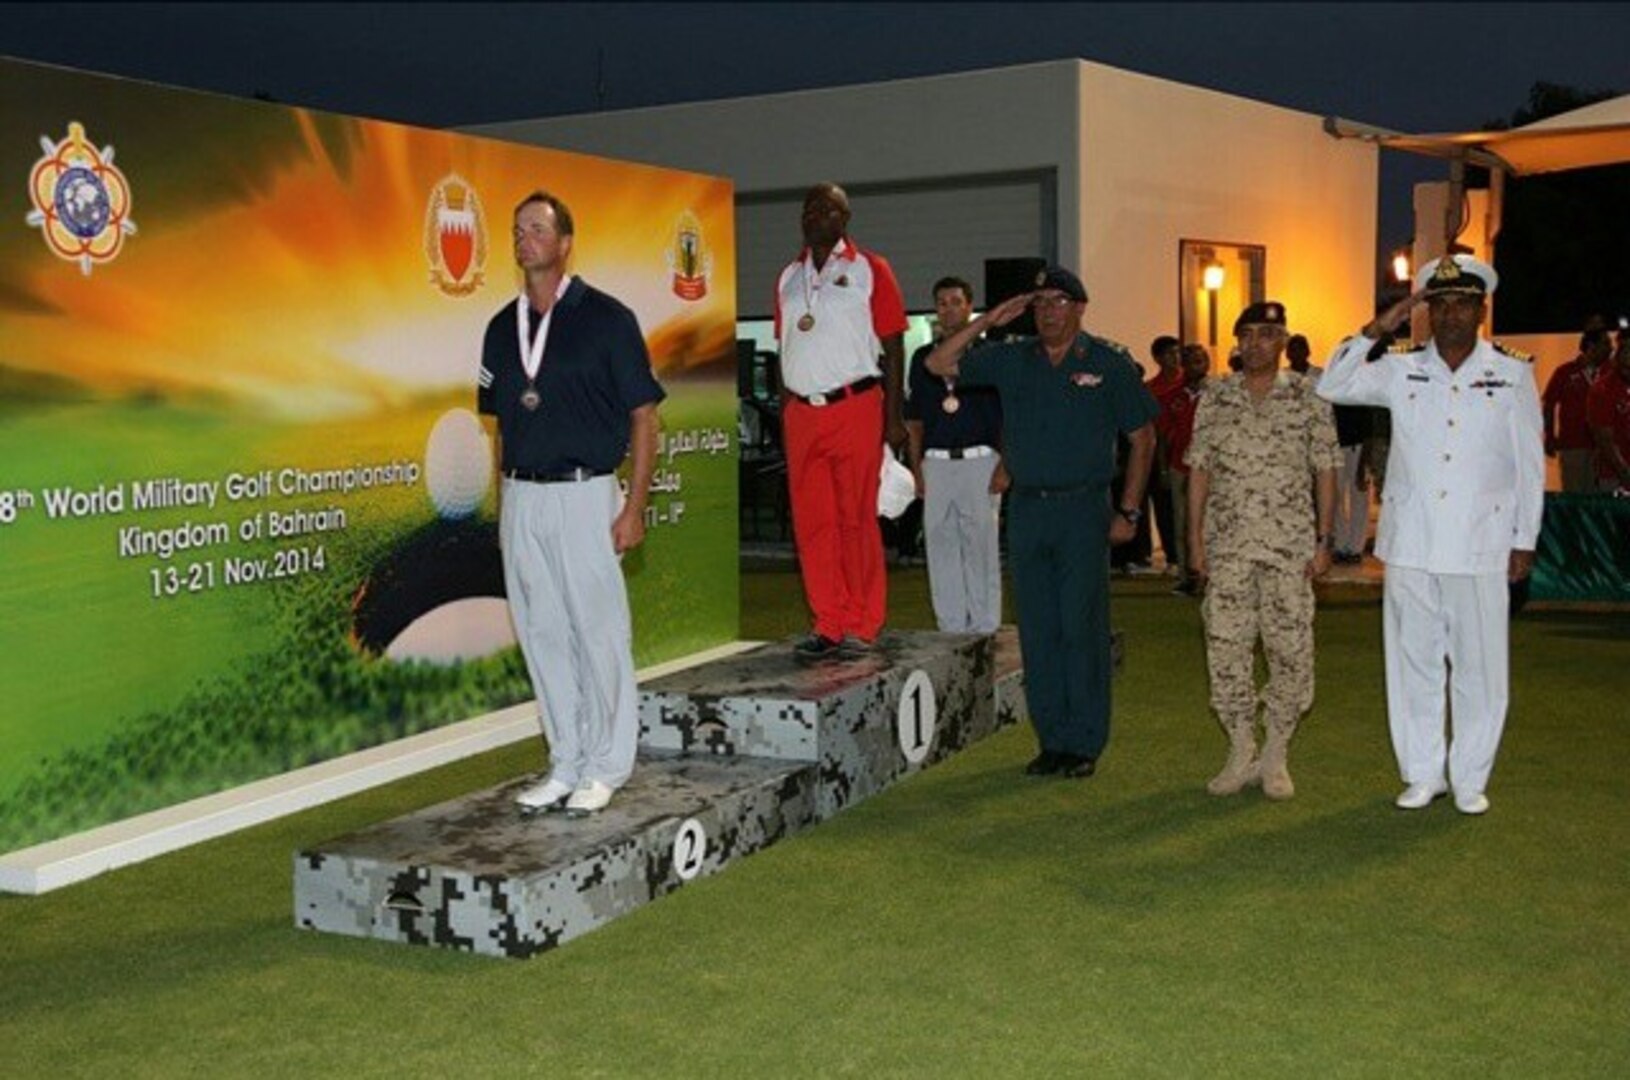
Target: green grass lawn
[{"x": 967, "y": 922}]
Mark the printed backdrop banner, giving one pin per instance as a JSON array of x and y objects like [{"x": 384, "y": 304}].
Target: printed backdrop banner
[{"x": 247, "y": 511}]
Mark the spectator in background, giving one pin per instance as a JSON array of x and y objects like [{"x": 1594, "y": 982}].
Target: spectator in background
[
  {"x": 1352, "y": 510},
  {"x": 1608, "y": 414},
  {"x": 1167, "y": 380},
  {"x": 1297, "y": 352},
  {"x": 1567, "y": 433},
  {"x": 1176, "y": 424}
]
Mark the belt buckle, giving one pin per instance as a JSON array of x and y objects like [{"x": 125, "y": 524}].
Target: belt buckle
[{"x": 816, "y": 400}]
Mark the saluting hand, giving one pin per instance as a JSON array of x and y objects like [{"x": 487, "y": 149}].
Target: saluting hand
[
  {"x": 1009, "y": 309},
  {"x": 1395, "y": 316}
]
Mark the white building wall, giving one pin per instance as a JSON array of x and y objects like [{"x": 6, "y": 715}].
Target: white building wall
[
  {"x": 1141, "y": 163},
  {"x": 908, "y": 132},
  {"x": 1163, "y": 162}
]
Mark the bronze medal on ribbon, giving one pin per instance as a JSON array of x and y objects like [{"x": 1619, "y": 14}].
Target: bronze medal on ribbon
[
  {"x": 951, "y": 403},
  {"x": 806, "y": 323},
  {"x": 530, "y": 398}
]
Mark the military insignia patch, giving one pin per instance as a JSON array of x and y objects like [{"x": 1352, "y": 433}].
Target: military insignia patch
[
  {"x": 455, "y": 237},
  {"x": 1448, "y": 271},
  {"x": 689, "y": 260},
  {"x": 1086, "y": 378},
  {"x": 1041, "y": 278},
  {"x": 81, "y": 200}
]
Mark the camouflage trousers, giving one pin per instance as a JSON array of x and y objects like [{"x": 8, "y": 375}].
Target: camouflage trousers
[{"x": 1244, "y": 601}]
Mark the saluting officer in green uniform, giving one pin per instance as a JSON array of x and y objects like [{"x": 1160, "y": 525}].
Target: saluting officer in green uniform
[{"x": 1065, "y": 395}]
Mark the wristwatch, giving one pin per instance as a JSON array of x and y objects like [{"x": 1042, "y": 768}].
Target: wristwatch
[{"x": 1132, "y": 514}]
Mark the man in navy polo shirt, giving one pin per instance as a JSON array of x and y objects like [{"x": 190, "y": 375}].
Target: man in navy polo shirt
[
  {"x": 565, "y": 372},
  {"x": 956, "y": 454},
  {"x": 1065, "y": 394}
]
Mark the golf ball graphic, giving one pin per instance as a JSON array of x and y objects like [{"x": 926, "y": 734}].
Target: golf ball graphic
[{"x": 458, "y": 464}]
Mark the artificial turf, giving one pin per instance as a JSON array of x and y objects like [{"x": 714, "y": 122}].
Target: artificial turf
[{"x": 966, "y": 922}]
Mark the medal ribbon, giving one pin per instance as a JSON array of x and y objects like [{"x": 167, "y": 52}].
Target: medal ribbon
[
  {"x": 532, "y": 352},
  {"x": 813, "y": 291}
]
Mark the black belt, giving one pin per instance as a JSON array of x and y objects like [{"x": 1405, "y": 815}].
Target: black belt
[
  {"x": 829, "y": 397},
  {"x": 570, "y": 476},
  {"x": 1059, "y": 492}
]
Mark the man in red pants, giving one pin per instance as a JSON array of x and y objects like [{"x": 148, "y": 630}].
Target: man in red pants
[{"x": 837, "y": 308}]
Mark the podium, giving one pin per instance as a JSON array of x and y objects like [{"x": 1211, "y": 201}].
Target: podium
[{"x": 734, "y": 756}]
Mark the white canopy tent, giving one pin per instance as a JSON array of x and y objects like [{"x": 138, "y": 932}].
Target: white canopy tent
[{"x": 1582, "y": 138}]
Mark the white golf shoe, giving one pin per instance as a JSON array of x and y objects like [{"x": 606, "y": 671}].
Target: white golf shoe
[
  {"x": 544, "y": 796},
  {"x": 591, "y": 795},
  {"x": 1471, "y": 802},
  {"x": 1419, "y": 796}
]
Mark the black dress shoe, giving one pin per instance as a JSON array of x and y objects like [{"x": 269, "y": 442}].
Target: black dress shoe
[
  {"x": 815, "y": 646},
  {"x": 1075, "y": 766},
  {"x": 1045, "y": 763}
]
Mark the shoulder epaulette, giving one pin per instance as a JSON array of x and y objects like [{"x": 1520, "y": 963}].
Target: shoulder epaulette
[
  {"x": 1515, "y": 354},
  {"x": 1112, "y": 344}
]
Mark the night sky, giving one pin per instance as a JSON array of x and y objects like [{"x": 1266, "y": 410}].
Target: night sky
[{"x": 1411, "y": 67}]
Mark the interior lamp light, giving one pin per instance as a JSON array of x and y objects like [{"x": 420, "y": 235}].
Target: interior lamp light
[{"x": 1212, "y": 276}]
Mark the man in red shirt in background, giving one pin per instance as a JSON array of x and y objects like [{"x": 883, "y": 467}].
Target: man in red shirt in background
[
  {"x": 1607, "y": 411},
  {"x": 1167, "y": 380},
  {"x": 1567, "y": 434},
  {"x": 1175, "y": 426}
]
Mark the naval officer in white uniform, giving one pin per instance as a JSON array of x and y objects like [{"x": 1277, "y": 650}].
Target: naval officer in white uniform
[{"x": 1459, "y": 519}]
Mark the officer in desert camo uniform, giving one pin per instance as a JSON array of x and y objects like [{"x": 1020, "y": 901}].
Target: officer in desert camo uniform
[{"x": 1258, "y": 536}]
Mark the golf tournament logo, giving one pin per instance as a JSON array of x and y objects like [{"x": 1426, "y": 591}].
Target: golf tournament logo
[
  {"x": 688, "y": 260},
  {"x": 455, "y": 236},
  {"x": 81, "y": 201}
]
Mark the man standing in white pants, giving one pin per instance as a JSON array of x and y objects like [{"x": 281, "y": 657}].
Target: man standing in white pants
[
  {"x": 565, "y": 372},
  {"x": 956, "y": 439},
  {"x": 1459, "y": 519}
]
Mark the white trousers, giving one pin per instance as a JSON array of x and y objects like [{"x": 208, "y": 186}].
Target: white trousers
[
  {"x": 959, "y": 530},
  {"x": 1352, "y": 505},
  {"x": 570, "y": 608},
  {"x": 1446, "y": 629}
]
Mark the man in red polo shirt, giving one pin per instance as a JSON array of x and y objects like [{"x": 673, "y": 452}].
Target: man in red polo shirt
[
  {"x": 1567, "y": 434},
  {"x": 1167, "y": 380},
  {"x": 837, "y": 308},
  {"x": 1176, "y": 427},
  {"x": 1608, "y": 412}
]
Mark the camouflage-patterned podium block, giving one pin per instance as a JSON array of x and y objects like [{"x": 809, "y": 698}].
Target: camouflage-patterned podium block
[
  {"x": 476, "y": 874},
  {"x": 867, "y": 722},
  {"x": 734, "y": 755}
]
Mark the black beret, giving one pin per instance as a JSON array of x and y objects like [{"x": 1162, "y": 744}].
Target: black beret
[
  {"x": 1056, "y": 277},
  {"x": 1261, "y": 313}
]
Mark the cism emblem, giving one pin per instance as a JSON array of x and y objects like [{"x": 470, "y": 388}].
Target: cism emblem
[
  {"x": 689, "y": 260},
  {"x": 455, "y": 236},
  {"x": 81, "y": 201}
]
